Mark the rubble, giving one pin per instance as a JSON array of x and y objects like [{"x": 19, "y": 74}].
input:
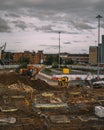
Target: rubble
[
  {"x": 10, "y": 120},
  {"x": 99, "y": 111},
  {"x": 59, "y": 119}
]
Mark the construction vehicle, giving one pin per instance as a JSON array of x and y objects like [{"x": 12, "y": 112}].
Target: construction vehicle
[
  {"x": 63, "y": 81},
  {"x": 30, "y": 71}
]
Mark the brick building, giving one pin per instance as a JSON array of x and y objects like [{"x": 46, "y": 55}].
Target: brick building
[
  {"x": 76, "y": 58},
  {"x": 34, "y": 58},
  {"x": 39, "y": 57}
]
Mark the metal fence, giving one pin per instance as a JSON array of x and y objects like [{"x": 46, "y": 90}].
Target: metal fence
[
  {"x": 85, "y": 67},
  {"x": 8, "y": 66}
]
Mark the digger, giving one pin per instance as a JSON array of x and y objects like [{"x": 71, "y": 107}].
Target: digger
[
  {"x": 30, "y": 71},
  {"x": 63, "y": 81}
]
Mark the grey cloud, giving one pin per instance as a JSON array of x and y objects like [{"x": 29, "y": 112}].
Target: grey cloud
[
  {"x": 67, "y": 42},
  {"x": 80, "y": 41},
  {"x": 20, "y": 24},
  {"x": 65, "y": 32},
  {"x": 50, "y": 46},
  {"x": 67, "y": 6},
  {"x": 4, "y": 27},
  {"x": 48, "y": 4},
  {"x": 14, "y": 15},
  {"x": 83, "y": 26},
  {"x": 52, "y": 10},
  {"x": 46, "y": 28},
  {"x": 51, "y": 28},
  {"x": 99, "y": 6},
  {"x": 76, "y": 41},
  {"x": 63, "y": 4},
  {"x": 102, "y": 25}
]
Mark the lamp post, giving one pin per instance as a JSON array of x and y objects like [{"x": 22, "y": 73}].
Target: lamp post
[
  {"x": 98, "y": 17},
  {"x": 59, "y": 50}
]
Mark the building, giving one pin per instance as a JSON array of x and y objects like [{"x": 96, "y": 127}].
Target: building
[
  {"x": 18, "y": 55},
  {"x": 79, "y": 58},
  {"x": 96, "y": 53},
  {"x": 39, "y": 57},
  {"x": 101, "y": 51},
  {"x": 76, "y": 58},
  {"x": 34, "y": 58},
  {"x": 93, "y": 55}
]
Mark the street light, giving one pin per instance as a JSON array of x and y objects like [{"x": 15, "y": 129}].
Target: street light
[
  {"x": 98, "y": 17},
  {"x": 59, "y": 50}
]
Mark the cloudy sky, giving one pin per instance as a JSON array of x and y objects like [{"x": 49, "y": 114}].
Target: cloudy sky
[{"x": 34, "y": 25}]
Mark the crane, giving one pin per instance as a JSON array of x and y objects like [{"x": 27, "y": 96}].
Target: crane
[{"x": 2, "y": 48}]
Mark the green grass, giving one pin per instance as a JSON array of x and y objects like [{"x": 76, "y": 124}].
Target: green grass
[{"x": 47, "y": 71}]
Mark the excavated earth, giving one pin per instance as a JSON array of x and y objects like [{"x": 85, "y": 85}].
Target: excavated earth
[{"x": 17, "y": 94}]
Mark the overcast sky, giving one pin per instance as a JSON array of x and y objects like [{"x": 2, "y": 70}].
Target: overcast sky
[{"x": 34, "y": 25}]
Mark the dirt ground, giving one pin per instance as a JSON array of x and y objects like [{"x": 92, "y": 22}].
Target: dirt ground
[{"x": 17, "y": 94}]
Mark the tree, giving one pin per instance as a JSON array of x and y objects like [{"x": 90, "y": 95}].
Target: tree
[
  {"x": 52, "y": 59},
  {"x": 69, "y": 61},
  {"x": 49, "y": 60},
  {"x": 9, "y": 56},
  {"x": 23, "y": 61},
  {"x": 55, "y": 64}
]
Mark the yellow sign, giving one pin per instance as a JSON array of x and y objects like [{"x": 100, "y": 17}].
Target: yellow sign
[{"x": 65, "y": 71}]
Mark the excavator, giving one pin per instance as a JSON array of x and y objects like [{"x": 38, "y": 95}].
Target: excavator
[
  {"x": 63, "y": 81},
  {"x": 30, "y": 71}
]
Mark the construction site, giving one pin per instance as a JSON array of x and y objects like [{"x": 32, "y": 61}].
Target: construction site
[{"x": 27, "y": 104}]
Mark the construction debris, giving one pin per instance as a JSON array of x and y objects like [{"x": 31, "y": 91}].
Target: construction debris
[
  {"x": 10, "y": 120},
  {"x": 99, "y": 111}
]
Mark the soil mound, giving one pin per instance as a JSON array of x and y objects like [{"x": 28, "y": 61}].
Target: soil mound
[{"x": 13, "y": 78}]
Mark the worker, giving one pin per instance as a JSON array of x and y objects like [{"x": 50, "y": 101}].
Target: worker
[
  {"x": 21, "y": 71},
  {"x": 30, "y": 73}
]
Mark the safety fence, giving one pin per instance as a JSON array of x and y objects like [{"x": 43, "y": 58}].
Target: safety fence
[
  {"x": 8, "y": 66},
  {"x": 85, "y": 67}
]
